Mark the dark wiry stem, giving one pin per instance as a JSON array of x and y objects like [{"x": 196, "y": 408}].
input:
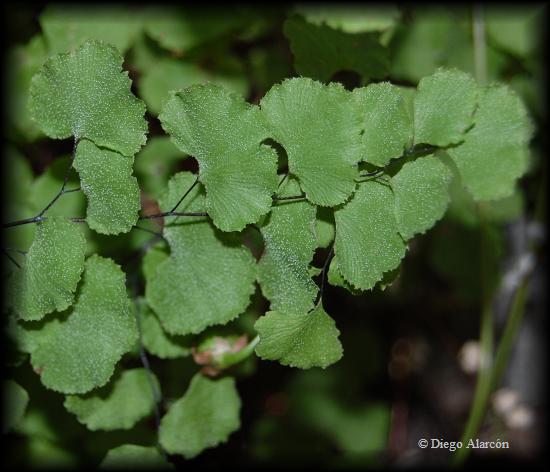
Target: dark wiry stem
[
  {"x": 372, "y": 174},
  {"x": 62, "y": 191},
  {"x": 34, "y": 219},
  {"x": 282, "y": 180},
  {"x": 65, "y": 180},
  {"x": 19, "y": 251},
  {"x": 173, "y": 213},
  {"x": 147, "y": 230},
  {"x": 185, "y": 194},
  {"x": 293, "y": 197},
  {"x": 78, "y": 219},
  {"x": 157, "y": 396},
  {"x": 6, "y": 253},
  {"x": 324, "y": 276}
]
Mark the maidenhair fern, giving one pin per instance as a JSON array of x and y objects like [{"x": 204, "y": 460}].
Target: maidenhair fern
[{"x": 367, "y": 170}]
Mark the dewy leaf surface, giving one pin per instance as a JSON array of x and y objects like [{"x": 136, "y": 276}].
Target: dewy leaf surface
[
  {"x": 290, "y": 242},
  {"x": 119, "y": 405},
  {"x": 111, "y": 189},
  {"x": 443, "y": 107},
  {"x": 334, "y": 277},
  {"x": 224, "y": 133},
  {"x": 320, "y": 51},
  {"x": 208, "y": 278},
  {"x": 421, "y": 194},
  {"x": 495, "y": 151},
  {"x": 204, "y": 417},
  {"x": 319, "y": 126},
  {"x": 51, "y": 269},
  {"x": 85, "y": 94},
  {"x": 302, "y": 340},
  {"x": 79, "y": 353},
  {"x": 367, "y": 242},
  {"x": 388, "y": 127}
]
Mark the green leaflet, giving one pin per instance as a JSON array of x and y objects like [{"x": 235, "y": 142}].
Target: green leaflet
[
  {"x": 515, "y": 30},
  {"x": 155, "y": 163},
  {"x": 367, "y": 241},
  {"x": 171, "y": 74},
  {"x": 324, "y": 226},
  {"x": 204, "y": 417},
  {"x": 50, "y": 271},
  {"x": 268, "y": 65},
  {"x": 350, "y": 18},
  {"x": 14, "y": 404},
  {"x": 22, "y": 63},
  {"x": 182, "y": 29},
  {"x": 166, "y": 75},
  {"x": 112, "y": 191},
  {"x": 319, "y": 126},
  {"x": 224, "y": 133},
  {"x": 35, "y": 423},
  {"x": 208, "y": 278},
  {"x": 144, "y": 54},
  {"x": 26, "y": 335},
  {"x": 43, "y": 453},
  {"x": 335, "y": 277},
  {"x": 495, "y": 151},
  {"x": 85, "y": 94},
  {"x": 290, "y": 242},
  {"x": 18, "y": 184},
  {"x": 464, "y": 209},
  {"x": 155, "y": 340},
  {"x": 320, "y": 51},
  {"x": 354, "y": 427},
  {"x": 360, "y": 431},
  {"x": 119, "y": 405},
  {"x": 443, "y": 107},
  {"x": 388, "y": 126},
  {"x": 421, "y": 194},
  {"x": 152, "y": 258},
  {"x": 434, "y": 38},
  {"x": 438, "y": 37},
  {"x": 130, "y": 456},
  {"x": 79, "y": 353},
  {"x": 66, "y": 27},
  {"x": 302, "y": 340}
]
